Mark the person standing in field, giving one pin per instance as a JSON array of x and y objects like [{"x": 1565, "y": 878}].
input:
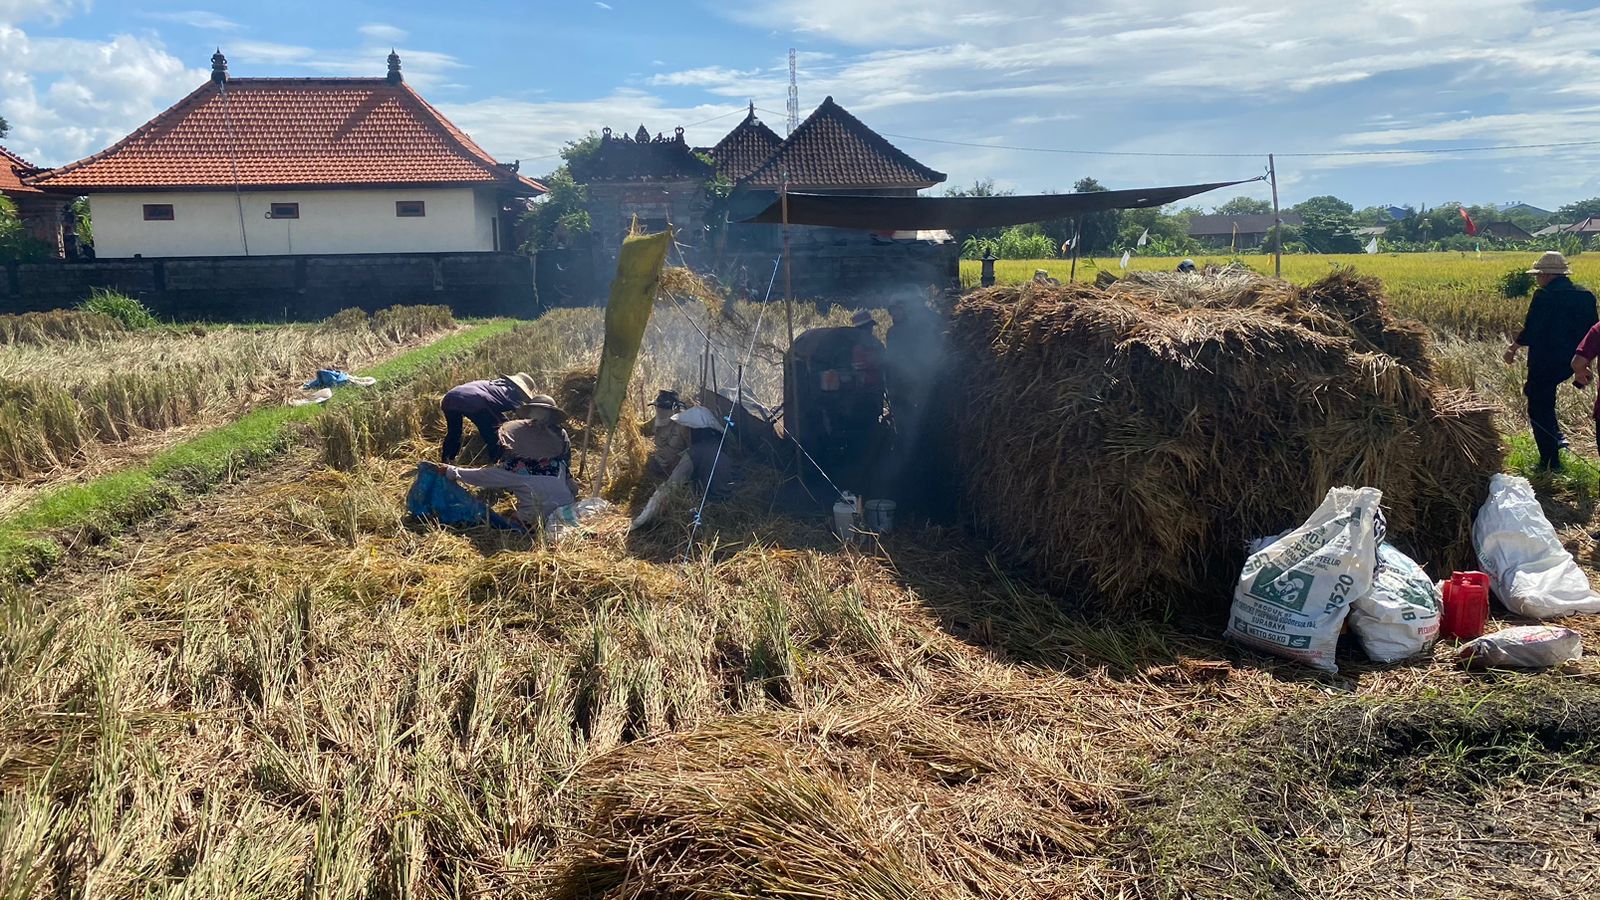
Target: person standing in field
[
  {"x": 486, "y": 403},
  {"x": 1559, "y": 317}
]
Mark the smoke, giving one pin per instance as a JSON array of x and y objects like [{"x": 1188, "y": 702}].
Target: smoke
[{"x": 915, "y": 472}]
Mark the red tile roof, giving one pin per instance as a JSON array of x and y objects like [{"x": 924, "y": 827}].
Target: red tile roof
[
  {"x": 745, "y": 148},
  {"x": 10, "y": 177},
  {"x": 833, "y": 149},
  {"x": 291, "y": 132}
]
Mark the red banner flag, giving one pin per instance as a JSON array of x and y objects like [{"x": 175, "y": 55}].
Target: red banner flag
[{"x": 1472, "y": 227}]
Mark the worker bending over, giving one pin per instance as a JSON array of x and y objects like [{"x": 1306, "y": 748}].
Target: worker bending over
[
  {"x": 486, "y": 403},
  {"x": 536, "y": 465},
  {"x": 1559, "y": 316}
]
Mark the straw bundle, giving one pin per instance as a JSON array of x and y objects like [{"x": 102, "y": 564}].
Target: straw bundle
[{"x": 1131, "y": 439}]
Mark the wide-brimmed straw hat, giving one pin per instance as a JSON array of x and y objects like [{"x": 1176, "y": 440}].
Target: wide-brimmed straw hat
[
  {"x": 1551, "y": 263},
  {"x": 545, "y": 401},
  {"x": 524, "y": 382},
  {"x": 862, "y": 317}
]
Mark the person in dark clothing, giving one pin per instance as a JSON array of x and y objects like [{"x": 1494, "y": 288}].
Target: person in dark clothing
[
  {"x": 1559, "y": 316},
  {"x": 833, "y": 399},
  {"x": 486, "y": 403}
]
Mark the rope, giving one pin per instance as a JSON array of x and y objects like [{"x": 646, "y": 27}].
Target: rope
[{"x": 727, "y": 421}]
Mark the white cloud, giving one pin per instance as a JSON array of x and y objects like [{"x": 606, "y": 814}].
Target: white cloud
[
  {"x": 602, "y": 5},
  {"x": 198, "y": 18},
  {"x": 382, "y": 34},
  {"x": 534, "y": 131},
  {"x": 66, "y": 98}
]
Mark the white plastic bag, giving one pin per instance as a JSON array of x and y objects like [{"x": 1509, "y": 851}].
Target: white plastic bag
[
  {"x": 1293, "y": 595},
  {"x": 1524, "y": 647},
  {"x": 1399, "y": 617},
  {"x": 1529, "y": 570},
  {"x": 565, "y": 520}
]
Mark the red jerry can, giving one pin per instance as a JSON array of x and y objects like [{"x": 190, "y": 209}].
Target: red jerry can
[{"x": 1466, "y": 605}]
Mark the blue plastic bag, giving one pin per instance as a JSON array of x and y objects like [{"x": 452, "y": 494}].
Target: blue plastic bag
[
  {"x": 437, "y": 498},
  {"x": 327, "y": 378}
]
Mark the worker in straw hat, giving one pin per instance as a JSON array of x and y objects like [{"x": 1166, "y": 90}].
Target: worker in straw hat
[
  {"x": 536, "y": 465},
  {"x": 487, "y": 404},
  {"x": 1559, "y": 316}
]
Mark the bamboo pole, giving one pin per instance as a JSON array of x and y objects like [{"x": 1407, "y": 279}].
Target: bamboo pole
[
  {"x": 605, "y": 459},
  {"x": 1077, "y": 241}
]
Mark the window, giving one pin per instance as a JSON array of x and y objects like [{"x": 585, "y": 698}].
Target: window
[
  {"x": 158, "y": 212},
  {"x": 410, "y": 209},
  {"x": 285, "y": 211}
]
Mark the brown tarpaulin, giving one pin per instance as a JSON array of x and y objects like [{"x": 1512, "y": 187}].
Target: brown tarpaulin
[{"x": 966, "y": 213}]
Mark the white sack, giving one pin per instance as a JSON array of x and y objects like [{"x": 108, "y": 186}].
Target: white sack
[
  {"x": 1399, "y": 617},
  {"x": 1293, "y": 596},
  {"x": 1525, "y": 647},
  {"x": 1529, "y": 570}
]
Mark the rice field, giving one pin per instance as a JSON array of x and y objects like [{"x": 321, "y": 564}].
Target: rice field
[
  {"x": 285, "y": 688},
  {"x": 78, "y": 396},
  {"x": 1453, "y": 292}
]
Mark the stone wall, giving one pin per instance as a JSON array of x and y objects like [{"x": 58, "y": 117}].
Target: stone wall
[
  {"x": 282, "y": 288},
  {"x": 657, "y": 203},
  {"x": 853, "y": 268}
]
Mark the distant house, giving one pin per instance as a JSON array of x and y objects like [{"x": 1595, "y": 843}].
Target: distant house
[
  {"x": 270, "y": 166},
  {"x": 1397, "y": 213},
  {"x": 1584, "y": 228},
  {"x": 1504, "y": 231},
  {"x": 1372, "y": 232},
  {"x": 662, "y": 179},
  {"x": 1523, "y": 209},
  {"x": 43, "y": 215},
  {"x": 1551, "y": 229},
  {"x": 1236, "y": 231}
]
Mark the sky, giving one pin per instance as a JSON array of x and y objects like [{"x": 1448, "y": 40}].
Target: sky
[{"x": 970, "y": 87}]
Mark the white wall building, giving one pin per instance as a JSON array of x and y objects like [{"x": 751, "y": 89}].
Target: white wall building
[{"x": 293, "y": 166}]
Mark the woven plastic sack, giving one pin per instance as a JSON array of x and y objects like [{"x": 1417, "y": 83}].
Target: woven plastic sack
[
  {"x": 1529, "y": 570},
  {"x": 1399, "y": 617},
  {"x": 1293, "y": 596},
  {"x": 1523, "y": 647}
]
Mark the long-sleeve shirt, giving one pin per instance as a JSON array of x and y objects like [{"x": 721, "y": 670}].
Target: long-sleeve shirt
[
  {"x": 498, "y": 396},
  {"x": 1559, "y": 316}
]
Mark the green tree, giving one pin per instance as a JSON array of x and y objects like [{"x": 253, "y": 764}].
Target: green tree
[
  {"x": 16, "y": 245},
  {"x": 1169, "y": 232},
  {"x": 5, "y": 127},
  {"x": 1099, "y": 229},
  {"x": 1328, "y": 225},
  {"x": 1578, "y": 211},
  {"x": 979, "y": 239},
  {"x": 563, "y": 214},
  {"x": 1244, "y": 206},
  {"x": 982, "y": 187}
]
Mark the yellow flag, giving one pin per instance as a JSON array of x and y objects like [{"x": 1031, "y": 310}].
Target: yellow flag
[{"x": 633, "y": 293}]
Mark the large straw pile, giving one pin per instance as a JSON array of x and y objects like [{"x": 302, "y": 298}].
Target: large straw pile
[{"x": 1131, "y": 439}]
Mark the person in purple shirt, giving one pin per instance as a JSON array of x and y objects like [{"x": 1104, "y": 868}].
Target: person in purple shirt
[{"x": 486, "y": 403}]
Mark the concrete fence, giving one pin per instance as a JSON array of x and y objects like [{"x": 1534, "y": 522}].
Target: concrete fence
[{"x": 284, "y": 288}]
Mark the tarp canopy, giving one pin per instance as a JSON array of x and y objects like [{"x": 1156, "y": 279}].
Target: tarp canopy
[{"x": 965, "y": 213}]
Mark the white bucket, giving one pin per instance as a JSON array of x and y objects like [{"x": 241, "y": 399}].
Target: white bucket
[
  {"x": 844, "y": 520},
  {"x": 880, "y": 516}
]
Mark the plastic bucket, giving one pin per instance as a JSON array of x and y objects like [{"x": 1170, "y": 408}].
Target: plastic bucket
[
  {"x": 880, "y": 516},
  {"x": 844, "y": 519}
]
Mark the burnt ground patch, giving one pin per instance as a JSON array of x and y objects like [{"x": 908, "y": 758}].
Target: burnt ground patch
[{"x": 1464, "y": 792}]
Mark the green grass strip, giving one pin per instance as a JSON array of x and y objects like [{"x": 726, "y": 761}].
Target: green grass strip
[{"x": 34, "y": 538}]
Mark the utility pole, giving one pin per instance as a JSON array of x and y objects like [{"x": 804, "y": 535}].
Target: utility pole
[{"x": 1277, "y": 221}]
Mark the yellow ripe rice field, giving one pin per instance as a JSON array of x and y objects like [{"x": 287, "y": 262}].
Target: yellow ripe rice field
[{"x": 1455, "y": 292}]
